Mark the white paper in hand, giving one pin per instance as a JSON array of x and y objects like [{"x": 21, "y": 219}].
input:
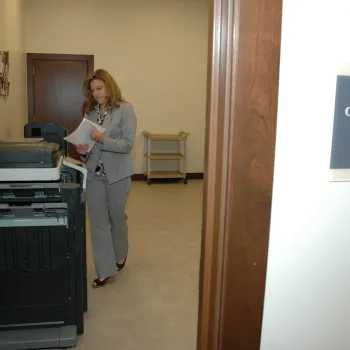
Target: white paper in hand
[{"x": 81, "y": 136}]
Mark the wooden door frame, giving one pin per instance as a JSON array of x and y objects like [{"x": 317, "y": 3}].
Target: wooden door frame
[
  {"x": 31, "y": 57},
  {"x": 243, "y": 73}
]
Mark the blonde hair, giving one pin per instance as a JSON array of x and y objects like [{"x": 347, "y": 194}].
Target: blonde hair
[{"x": 114, "y": 95}]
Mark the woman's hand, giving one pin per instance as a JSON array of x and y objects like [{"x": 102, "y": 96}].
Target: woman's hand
[
  {"x": 96, "y": 135},
  {"x": 82, "y": 149}
]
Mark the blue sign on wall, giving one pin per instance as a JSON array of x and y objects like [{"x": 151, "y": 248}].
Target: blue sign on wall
[{"x": 340, "y": 156}]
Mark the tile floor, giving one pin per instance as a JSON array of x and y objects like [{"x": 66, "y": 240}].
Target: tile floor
[{"x": 154, "y": 303}]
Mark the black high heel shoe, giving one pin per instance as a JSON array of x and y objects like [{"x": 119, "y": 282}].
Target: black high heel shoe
[
  {"x": 100, "y": 283},
  {"x": 121, "y": 266}
]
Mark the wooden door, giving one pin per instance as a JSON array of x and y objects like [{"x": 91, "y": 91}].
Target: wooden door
[
  {"x": 55, "y": 93},
  {"x": 240, "y": 143}
]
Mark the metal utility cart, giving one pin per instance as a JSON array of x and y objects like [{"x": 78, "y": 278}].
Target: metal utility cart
[{"x": 180, "y": 155}]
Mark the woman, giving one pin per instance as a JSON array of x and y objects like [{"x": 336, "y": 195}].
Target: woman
[{"x": 109, "y": 169}]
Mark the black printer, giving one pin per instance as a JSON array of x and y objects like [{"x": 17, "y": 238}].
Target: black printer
[{"x": 43, "y": 287}]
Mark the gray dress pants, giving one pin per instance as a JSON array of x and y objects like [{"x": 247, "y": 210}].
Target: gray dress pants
[{"x": 108, "y": 223}]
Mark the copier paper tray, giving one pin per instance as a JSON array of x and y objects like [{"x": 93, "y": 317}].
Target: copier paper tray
[{"x": 28, "y": 155}]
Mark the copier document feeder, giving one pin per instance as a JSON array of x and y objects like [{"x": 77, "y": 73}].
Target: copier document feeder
[
  {"x": 29, "y": 155},
  {"x": 43, "y": 289}
]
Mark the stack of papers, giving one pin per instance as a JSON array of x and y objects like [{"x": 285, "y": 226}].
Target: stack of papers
[{"x": 81, "y": 136}]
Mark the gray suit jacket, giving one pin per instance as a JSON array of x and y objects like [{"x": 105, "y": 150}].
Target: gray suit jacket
[{"x": 120, "y": 124}]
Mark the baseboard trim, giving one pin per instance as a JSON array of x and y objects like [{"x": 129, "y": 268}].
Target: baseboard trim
[
  {"x": 195, "y": 176},
  {"x": 189, "y": 176}
]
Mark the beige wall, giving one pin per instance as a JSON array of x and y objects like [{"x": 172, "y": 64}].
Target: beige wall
[
  {"x": 156, "y": 50},
  {"x": 307, "y": 295},
  {"x": 2, "y": 27},
  {"x": 13, "y": 110}
]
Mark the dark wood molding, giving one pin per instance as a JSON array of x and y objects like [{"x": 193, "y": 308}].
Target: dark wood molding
[
  {"x": 138, "y": 177},
  {"x": 215, "y": 171},
  {"x": 189, "y": 176},
  {"x": 195, "y": 176},
  {"x": 31, "y": 57},
  {"x": 240, "y": 142}
]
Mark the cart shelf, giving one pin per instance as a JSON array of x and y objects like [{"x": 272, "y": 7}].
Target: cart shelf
[{"x": 180, "y": 155}]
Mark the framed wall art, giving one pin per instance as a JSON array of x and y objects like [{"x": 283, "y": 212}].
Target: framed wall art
[{"x": 4, "y": 74}]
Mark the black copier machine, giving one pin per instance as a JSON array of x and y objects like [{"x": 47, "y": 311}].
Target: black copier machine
[{"x": 43, "y": 293}]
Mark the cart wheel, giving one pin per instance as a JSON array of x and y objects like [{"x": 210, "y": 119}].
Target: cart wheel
[
  {"x": 185, "y": 181},
  {"x": 149, "y": 181}
]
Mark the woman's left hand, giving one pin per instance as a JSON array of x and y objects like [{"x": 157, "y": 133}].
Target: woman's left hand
[{"x": 96, "y": 135}]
